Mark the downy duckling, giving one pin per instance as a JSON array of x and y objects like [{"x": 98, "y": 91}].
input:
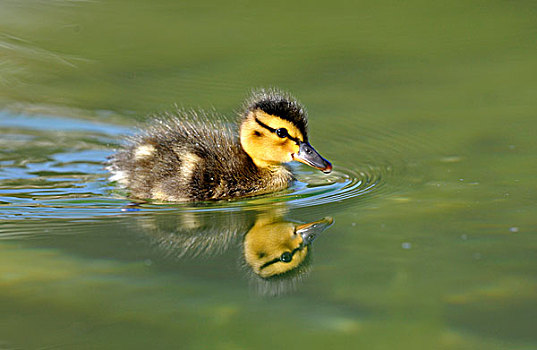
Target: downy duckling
[{"x": 183, "y": 158}]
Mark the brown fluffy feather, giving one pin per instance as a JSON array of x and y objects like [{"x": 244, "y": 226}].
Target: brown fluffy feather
[{"x": 185, "y": 157}]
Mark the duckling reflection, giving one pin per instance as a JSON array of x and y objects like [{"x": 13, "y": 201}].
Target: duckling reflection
[
  {"x": 271, "y": 245},
  {"x": 274, "y": 248}
]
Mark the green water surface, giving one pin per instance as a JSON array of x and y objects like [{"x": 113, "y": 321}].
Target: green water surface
[{"x": 428, "y": 111}]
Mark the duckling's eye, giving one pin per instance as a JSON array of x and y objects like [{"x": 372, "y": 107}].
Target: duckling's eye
[
  {"x": 282, "y": 132},
  {"x": 286, "y": 257}
]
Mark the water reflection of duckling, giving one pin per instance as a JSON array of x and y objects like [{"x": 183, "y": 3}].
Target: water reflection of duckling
[
  {"x": 273, "y": 248},
  {"x": 183, "y": 158}
]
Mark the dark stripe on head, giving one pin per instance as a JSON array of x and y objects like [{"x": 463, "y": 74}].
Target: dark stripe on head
[
  {"x": 265, "y": 125},
  {"x": 272, "y": 130},
  {"x": 281, "y": 105},
  {"x": 279, "y": 259}
]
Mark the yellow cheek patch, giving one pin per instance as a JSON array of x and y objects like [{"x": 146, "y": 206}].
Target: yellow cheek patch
[
  {"x": 259, "y": 139},
  {"x": 292, "y": 147}
]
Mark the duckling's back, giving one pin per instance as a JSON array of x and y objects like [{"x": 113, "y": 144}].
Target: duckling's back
[{"x": 181, "y": 158}]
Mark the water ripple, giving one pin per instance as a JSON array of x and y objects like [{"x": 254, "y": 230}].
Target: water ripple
[{"x": 56, "y": 173}]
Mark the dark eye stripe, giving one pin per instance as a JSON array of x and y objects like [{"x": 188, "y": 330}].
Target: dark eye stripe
[
  {"x": 265, "y": 125},
  {"x": 272, "y": 130},
  {"x": 293, "y": 139},
  {"x": 287, "y": 259}
]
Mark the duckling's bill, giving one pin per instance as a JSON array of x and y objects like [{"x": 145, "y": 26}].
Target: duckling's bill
[
  {"x": 311, "y": 230},
  {"x": 309, "y": 156}
]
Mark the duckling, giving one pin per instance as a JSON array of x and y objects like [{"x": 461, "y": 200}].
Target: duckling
[{"x": 183, "y": 158}]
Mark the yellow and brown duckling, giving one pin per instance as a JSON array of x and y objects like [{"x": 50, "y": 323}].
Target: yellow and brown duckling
[{"x": 183, "y": 158}]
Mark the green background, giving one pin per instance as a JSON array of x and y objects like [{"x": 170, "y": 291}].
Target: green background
[{"x": 437, "y": 99}]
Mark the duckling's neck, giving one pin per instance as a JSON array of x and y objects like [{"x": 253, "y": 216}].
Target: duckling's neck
[
  {"x": 264, "y": 177},
  {"x": 281, "y": 175},
  {"x": 263, "y": 165},
  {"x": 274, "y": 169},
  {"x": 272, "y": 176}
]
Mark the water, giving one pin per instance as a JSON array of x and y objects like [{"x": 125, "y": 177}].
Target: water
[{"x": 423, "y": 237}]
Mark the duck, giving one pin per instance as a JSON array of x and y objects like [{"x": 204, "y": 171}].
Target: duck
[{"x": 188, "y": 156}]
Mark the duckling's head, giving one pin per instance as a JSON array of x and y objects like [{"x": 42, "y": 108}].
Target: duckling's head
[
  {"x": 274, "y": 131},
  {"x": 273, "y": 248}
]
